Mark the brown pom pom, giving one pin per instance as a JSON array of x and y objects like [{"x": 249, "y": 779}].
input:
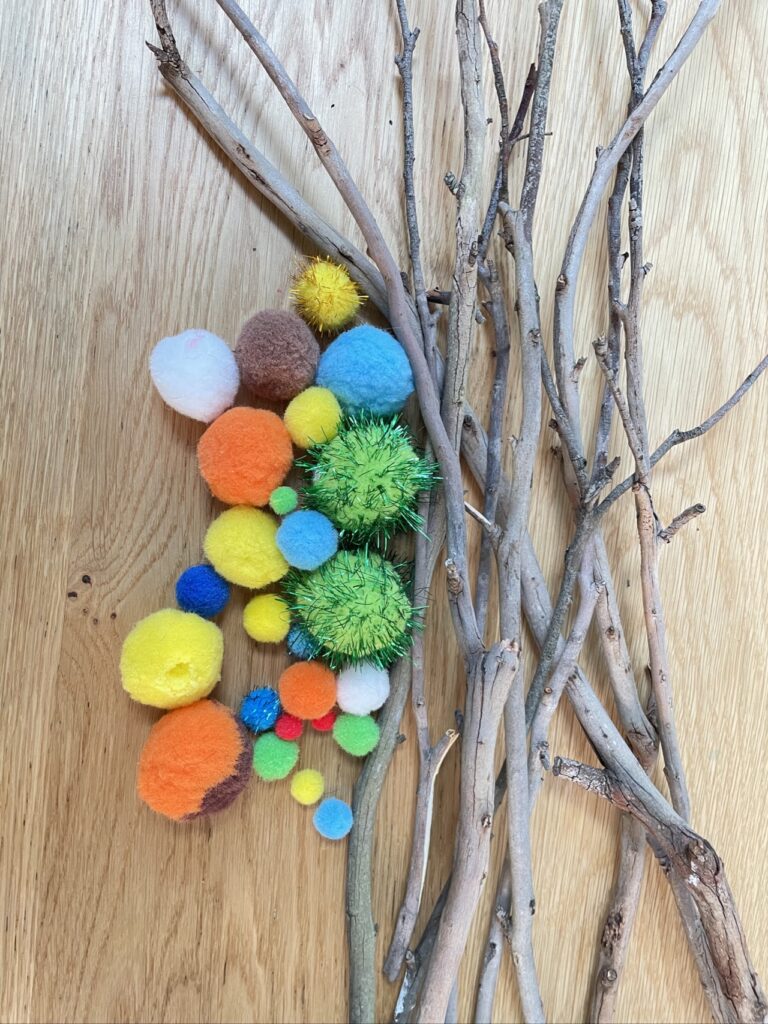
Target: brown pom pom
[{"x": 277, "y": 354}]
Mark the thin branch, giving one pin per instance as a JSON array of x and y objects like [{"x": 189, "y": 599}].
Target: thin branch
[
  {"x": 681, "y": 520},
  {"x": 491, "y": 965}
]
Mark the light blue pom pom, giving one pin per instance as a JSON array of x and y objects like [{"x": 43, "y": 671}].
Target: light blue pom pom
[
  {"x": 300, "y": 644},
  {"x": 367, "y": 370},
  {"x": 306, "y": 539},
  {"x": 333, "y": 818}
]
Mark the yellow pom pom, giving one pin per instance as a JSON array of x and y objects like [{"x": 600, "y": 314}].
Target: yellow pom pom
[
  {"x": 313, "y": 417},
  {"x": 307, "y": 786},
  {"x": 325, "y": 295},
  {"x": 267, "y": 619},
  {"x": 171, "y": 658},
  {"x": 240, "y": 544}
]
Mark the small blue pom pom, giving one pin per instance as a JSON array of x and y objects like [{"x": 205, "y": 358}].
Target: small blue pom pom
[
  {"x": 367, "y": 370},
  {"x": 200, "y": 589},
  {"x": 306, "y": 539},
  {"x": 300, "y": 644},
  {"x": 260, "y": 709},
  {"x": 333, "y": 818}
]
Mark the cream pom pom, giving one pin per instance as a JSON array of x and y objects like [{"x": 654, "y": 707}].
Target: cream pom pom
[
  {"x": 362, "y": 688},
  {"x": 195, "y": 373}
]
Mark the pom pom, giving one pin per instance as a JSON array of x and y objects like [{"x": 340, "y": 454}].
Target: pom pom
[
  {"x": 367, "y": 480},
  {"x": 307, "y": 786},
  {"x": 325, "y": 722},
  {"x": 277, "y": 354},
  {"x": 288, "y": 727},
  {"x": 307, "y": 539},
  {"x": 266, "y": 619},
  {"x": 307, "y": 689},
  {"x": 355, "y": 607},
  {"x": 195, "y": 762},
  {"x": 171, "y": 658},
  {"x": 312, "y": 417},
  {"x": 241, "y": 546},
  {"x": 201, "y": 590},
  {"x": 283, "y": 500},
  {"x": 325, "y": 295},
  {"x": 356, "y": 734},
  {"x": 300, "y": 644},
  {"x": 274, "y": 758},
  {"x": 362, "y": 688},
  {"x": 367, "y": 370},
  {"x": 244, "y": 455},
  {"x": 195, "y": 373},
  {"x": 259, "y": 709},
  {"x": 333, "y": 818}
]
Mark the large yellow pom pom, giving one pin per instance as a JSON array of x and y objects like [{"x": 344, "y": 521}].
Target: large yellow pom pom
[
  {"x": 171, "y": 658},
  {"x": 267, "y": 619},
  {"x": 325, "y": 295},
  {"x": 240, "y": 544},
  {"x": 313, "y": 417}
]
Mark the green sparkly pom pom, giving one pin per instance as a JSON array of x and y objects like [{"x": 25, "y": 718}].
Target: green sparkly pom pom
[
  {"x": 367, "y": 479},
  {"x": 355, "y": 607},
  {"x": 283, "y": 500}
]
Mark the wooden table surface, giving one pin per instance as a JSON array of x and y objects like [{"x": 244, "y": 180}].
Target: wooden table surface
[{"x": 124, "y": 224}]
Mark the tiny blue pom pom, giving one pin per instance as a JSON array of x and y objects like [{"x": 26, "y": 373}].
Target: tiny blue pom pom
[
  {"x": 333, "y": 818},
  {"x": 201, "y": 590},
  {"x": 300, "y": 644},
  {"x": 260, "y": 709},
  {"x": 306, "y": 539},
  {"x": 367, "y": 370}
]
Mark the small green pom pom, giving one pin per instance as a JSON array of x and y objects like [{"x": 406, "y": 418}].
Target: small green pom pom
[
  {"x": 356, "y": 734},
  {"x": 274, "y": 758},
  {"x": 283, "y": 500}
]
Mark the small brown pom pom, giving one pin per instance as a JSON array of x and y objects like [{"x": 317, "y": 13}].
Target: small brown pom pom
[{"x": 277, "y": 354}]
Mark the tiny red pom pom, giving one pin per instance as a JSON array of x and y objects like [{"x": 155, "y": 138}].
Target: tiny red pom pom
[
  {"x": 325, "y": 724},
  {"x": 288, "y": 727}
]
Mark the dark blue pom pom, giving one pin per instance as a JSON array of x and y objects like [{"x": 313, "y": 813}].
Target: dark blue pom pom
[
  {"x": 200, "y": 589},
  {"x": 260, "y": 709}
]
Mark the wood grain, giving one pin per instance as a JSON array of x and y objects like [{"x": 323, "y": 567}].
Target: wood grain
[{"x": 123, "y": 224}]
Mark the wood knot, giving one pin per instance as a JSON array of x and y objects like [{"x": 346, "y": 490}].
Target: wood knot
[
  {"x": 608, "y": 977},
  {"x": 485, "y": 821}
]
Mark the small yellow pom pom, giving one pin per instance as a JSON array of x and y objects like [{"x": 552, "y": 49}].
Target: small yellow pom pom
[
  {"x": 325, "y": 295},
  {"x": 240, "y": 544},
  {"x": 171, "y": 658},
  {"x": 313, "y": 417},
  {"x": 267, "y": 619},
  {"x": 307, "y": 786}
]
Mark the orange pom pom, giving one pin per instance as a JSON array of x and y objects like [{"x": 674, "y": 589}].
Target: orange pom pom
[
  {"x": 307, "y": 690},
  {"x": 244, "y": 455}
]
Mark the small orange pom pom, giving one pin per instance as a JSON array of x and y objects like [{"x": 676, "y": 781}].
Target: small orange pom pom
[
  {"x": 244, "y": 455},
  {"x": 307, "y": 690}
]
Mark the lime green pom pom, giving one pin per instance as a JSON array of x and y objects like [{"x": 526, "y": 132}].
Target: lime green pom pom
[
  {"x": 367, "y": 479},
  {"x": 267, "y": 619},
  {"x": 313, "y": 417},
  {"x": 356, "y": 734},
  {"x": 274, "y": 758},
  {"x": 283, "y": 500},
  {"x": 307, "y": 786}
]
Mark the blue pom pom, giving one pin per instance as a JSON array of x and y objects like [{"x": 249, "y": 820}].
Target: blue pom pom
[
  {"x": 260, "y": 709},
  {"x": 200, "y": 589},
  {"x": 300, "y": 644},
  {"x": 333, "y": 818},
  {"x": 367, "y": 370},
  {"x": 307, "y": 539}
]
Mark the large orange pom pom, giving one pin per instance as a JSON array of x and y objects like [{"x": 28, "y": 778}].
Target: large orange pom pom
[
  {"x": 307, "y": 690},
  {"x": 244, "y": 455}
]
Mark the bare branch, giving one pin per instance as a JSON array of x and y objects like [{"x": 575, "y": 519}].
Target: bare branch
[{"x": 681, "y": 520}]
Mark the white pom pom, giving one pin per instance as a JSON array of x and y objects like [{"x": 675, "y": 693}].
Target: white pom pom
[
  {"x": 195, "y": 373},
  {"x": 362, "y": 688}
]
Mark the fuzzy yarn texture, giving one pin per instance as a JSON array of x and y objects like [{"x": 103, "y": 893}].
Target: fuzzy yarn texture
[
  {"x": 325, "y": 722},
  {"x": 201, "y": 590},
  {"x": 267, "y": 619},
  {"x": 274, "y": 758},
  {"x": 195, "y": 373},
  {"x": 325, "y": 295},
  {"x": 171, "y": 658},
  {"x": 283, "y": 500},
  {"x": 300, "y": 643},
  {"x": 241, "y": 546},
  {"x": 307, "y": 689},
  {"x": 288, "y": 727},
  {"x": 277, "y": 354},
  {"x": 307, "y": 786},
  {"x": 195, "y": 761},
  {"x": 362, "y": 688},
  {"x": 260, "y": 709},
  {"x": 313, "y": 417},
  {"x": 333, "y": 819},
  {"x": 367, "y": 370},
  {"x": 307, "y": 539},
  {"x": 244, "y": 455},
  {"x": 358, "y": 735}
]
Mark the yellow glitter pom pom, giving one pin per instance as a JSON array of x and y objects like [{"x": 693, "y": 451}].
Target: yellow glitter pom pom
[
  {"x": 240, "y": 544},
  {"x": 171, "y": 658},
  {"x": 307, "y": 786},
  {"x": 313, "y": 417},
  {"x": 267, "y": 619},
  {"x": 325, "y": 295}
]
